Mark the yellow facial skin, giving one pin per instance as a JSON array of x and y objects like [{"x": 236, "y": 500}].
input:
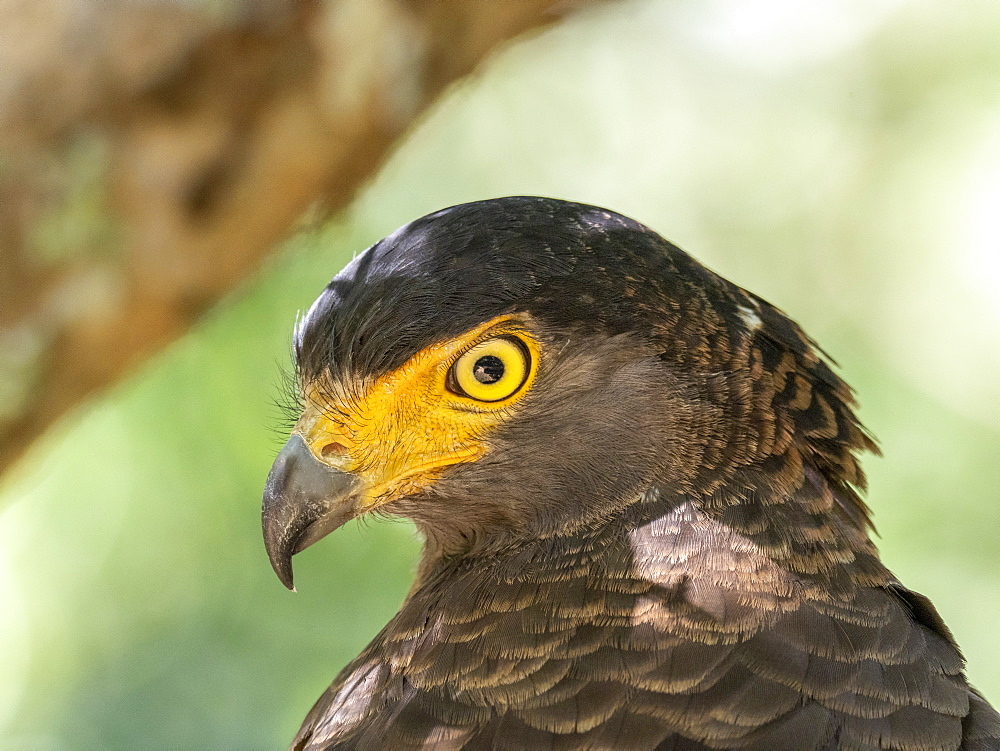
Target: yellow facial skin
[{"x": 397, "y": 432}]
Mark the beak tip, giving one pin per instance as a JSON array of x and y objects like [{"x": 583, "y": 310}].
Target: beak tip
[
  {"x": 283, "y": 569},
  {"x": 281, "y": 563},
  {"x": 287, "y": 581}
]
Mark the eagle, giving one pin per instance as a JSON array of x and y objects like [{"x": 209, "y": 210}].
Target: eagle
[{"x": 639, "y": 493}]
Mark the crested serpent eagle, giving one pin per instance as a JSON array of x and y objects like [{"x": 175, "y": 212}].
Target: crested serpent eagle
[{"x": 638, "y": 487}]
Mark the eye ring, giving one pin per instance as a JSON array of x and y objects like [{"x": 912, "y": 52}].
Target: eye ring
[{"x": 491, "y": 371}]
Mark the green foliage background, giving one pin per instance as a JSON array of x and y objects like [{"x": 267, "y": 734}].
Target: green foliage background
[{"x": 842, "y": 159}]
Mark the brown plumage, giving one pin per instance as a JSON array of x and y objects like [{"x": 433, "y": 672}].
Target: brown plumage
[{"x": 658, "y": 543}]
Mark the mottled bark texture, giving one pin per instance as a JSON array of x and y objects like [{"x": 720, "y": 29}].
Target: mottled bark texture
[{"x": 152, "y": 152}]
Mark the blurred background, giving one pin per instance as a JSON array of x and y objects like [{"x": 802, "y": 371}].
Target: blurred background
[{"x": 840, "y": 158}]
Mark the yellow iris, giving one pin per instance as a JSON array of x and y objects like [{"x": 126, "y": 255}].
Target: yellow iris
[{"x": 492, "y": 370}]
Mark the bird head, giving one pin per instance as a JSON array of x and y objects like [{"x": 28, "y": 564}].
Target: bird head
[{"x": 527, "y": 366}]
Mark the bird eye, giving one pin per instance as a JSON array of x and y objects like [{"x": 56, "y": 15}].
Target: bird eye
[{"x": 491, "y": 371}]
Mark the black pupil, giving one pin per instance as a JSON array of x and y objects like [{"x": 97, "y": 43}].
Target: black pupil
[{"x": 488, "y": 369}]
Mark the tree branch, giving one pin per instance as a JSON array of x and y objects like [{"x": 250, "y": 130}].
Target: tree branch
[{"x": 152, "y": 153}]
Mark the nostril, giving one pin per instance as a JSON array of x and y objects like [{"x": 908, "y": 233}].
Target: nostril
[{"x": 333, "y": 450}]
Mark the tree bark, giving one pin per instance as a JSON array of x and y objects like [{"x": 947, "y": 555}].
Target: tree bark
[{"x": 151, "y": 153}]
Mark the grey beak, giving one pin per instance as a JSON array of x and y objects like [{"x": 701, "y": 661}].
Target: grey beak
[{"x": 304, "y": 500}]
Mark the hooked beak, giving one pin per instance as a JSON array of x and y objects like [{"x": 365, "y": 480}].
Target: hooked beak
[{"x": 304, "y": 500}]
